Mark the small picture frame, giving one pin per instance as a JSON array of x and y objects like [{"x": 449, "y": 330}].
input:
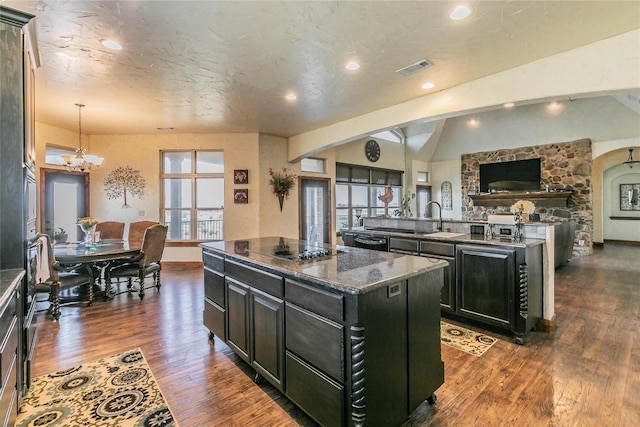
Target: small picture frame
[
  {"x": 241, "y": 195},
  {"x": 241, "y": 247},
  {"x": 240, "y": 176}
]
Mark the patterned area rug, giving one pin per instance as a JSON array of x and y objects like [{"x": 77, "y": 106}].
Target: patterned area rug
[
  {"x": 115, "y": 391},
  {"x": 465, "y": 339}
]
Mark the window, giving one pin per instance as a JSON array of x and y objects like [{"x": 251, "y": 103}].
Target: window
[
  {"x": 423, "y": 197},
  {"x": 391, "y": 135},
  {"x": 53, "y": 153},
  {"x": 357, "y": 191},
  {"x": 312, "y": 164},
  {"x": 193, "y": 194}
]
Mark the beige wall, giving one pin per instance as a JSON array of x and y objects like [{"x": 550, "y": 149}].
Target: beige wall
[{"x": 142, "y": 153}]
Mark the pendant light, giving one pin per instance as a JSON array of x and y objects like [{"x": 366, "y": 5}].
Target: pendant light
[
  {"x": 630, "y": 162},
  {"x": 81, "y": 160}
]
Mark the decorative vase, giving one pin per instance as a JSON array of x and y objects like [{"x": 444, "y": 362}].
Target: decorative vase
[
  {"x": 281, "y": 200},
  {"x": 88, "y": 234}
]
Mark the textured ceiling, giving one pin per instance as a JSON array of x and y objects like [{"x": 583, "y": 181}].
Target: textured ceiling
[{"x": 205, "y": 66}]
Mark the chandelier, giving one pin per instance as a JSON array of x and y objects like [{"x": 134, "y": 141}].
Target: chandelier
[
  {"x": 630, "y": 162},
  {"x": 81, "y": 160}
]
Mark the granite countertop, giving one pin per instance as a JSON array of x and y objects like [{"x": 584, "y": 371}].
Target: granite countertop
[
  {"x": 451, "y": 237},
  {"x": 8, "y": 279},
  {"x": 348, "y": 269}
]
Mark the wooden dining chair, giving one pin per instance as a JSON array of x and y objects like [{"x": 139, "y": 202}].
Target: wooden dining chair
[
  {"x": 136, "y": 231},
  {"x": 111, "y": 230},
  {"x": 51, "y": 277},
  {"x": 145, "y": 264}
]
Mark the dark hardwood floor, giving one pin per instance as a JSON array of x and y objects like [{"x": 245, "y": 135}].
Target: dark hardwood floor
[{"x": 587, "y": 373}]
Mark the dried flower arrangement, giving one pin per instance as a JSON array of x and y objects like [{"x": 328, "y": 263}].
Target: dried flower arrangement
[
  {"x": 523, "y": 206},
  {"x": 282, "y": 182},
  {"x": 87, "y": 222}
]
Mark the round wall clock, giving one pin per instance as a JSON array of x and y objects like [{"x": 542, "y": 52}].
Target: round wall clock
[{"x": 372, "y": 150}]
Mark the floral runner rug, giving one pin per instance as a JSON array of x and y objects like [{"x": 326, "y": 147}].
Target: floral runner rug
[
  {"x": 466, "y": 340},
  {"x": 115, "y": 391}
]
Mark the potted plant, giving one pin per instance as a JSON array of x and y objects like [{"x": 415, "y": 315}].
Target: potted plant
[
  {"x": 60, "y": 236},
  {"x": 405, "y": 205},
  {"x": 282, "y": 182}
]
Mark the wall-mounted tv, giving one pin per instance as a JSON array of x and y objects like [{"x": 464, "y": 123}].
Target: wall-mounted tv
[{"x": 517, "y": 175}]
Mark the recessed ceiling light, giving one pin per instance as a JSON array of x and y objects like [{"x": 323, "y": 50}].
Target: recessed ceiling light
[
  {"x": 554, "y": 105},
  {"x": 291, "y": 97},
  {"x": 111, "y": 44},
  {"x": 352, "y": 66},
  {"x": 428, "y": 85},
  {"x": 460, "y": 12},
  {"x": 508, "y": 105},
  {"x": 474, "y": 123}
]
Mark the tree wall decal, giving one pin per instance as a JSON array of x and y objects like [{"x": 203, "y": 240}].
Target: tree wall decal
[{"x": 121, "y": 180}]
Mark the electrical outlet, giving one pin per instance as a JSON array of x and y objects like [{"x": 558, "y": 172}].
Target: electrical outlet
[
  {"x": 141, "y": 212},
  {"x": 580, "y": 242}
]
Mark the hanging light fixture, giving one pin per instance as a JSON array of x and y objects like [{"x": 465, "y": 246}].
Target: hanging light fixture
[
  {"x": 630, "y": 162},
  {"x": 81, "y": 160}
]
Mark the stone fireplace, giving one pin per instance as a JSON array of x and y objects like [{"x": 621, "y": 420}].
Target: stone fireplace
[{"x": 565, "y": 166}]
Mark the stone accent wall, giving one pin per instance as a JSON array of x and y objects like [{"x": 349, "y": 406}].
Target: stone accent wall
[{"x": 564, "y": 166}]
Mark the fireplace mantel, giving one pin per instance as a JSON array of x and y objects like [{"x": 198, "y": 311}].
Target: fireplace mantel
[{"x": 551, "y": 199}]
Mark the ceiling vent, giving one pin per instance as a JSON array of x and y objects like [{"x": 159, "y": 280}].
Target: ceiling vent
[{"x": 414, "y": 68}]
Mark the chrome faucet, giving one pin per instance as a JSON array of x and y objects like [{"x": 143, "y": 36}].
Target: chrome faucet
[{"x": 439, "y": 212}]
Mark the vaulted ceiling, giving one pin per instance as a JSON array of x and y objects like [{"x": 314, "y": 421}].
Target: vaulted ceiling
[{"x": 226, "y": 66}]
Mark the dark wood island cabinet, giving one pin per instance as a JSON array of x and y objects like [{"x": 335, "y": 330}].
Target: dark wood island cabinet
[{"x": 351, "y": 336}]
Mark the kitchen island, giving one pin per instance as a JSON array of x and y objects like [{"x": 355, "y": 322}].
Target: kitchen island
[
  {"x": 351, "y": 336},
  {"x": 494, "y": 282}
]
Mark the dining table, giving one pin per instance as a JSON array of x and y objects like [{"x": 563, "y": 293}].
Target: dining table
[{"x": 100, "y": 254}]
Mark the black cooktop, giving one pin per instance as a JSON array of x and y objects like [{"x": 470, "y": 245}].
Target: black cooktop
[{"x": 295, "y": 250}]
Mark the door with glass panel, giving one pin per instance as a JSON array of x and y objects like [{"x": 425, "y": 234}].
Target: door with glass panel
[
  {"x": 314, "y": 210},
  {"x": 65, "y": 200}
]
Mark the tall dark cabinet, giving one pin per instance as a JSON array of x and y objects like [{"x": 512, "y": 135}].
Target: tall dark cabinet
[{"x": 17, "y": 178}]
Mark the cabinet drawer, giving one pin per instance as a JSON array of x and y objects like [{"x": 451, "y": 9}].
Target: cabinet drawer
[
  {"x": 319, "y": 396},
  {"x": 214, "y": 286},
  {"x": 327, "y": 304},
  {"x": 437, "y": 248},
  {"x": 6, "y": 317},
  {"x": 8, "y": 389},
  {"x": 267, "y": 282},
  {"x": 316, "y": 339},
  {"x": 8, "y": 347},
  {"x": 212, "y": 261},
  {"x": 213, "y": 319},
  {"x": 409, "y": 245}
]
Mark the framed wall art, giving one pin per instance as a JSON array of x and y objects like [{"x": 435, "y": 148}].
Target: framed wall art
[
  {"x": 241, "y": 195},
  {"x": 240, "y": 176},
  {"x": 630, "y": 197}
]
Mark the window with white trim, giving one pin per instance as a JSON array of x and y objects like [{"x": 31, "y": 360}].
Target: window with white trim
[{"x": 192, "y": 194}]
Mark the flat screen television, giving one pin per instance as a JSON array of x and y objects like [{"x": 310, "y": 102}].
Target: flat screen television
[{"x": 517, "y": 175}]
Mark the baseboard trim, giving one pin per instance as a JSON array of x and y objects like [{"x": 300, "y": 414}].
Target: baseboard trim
[
  {"x": 623, "y": 242},
  {"x": 547, "y": 325}
]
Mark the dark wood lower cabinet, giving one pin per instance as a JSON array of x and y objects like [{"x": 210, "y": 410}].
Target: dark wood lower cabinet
[
  {"x": 267, "y": 330},
  {"x": 344, "y": 358},
  {"x": 500, "y": 286}
]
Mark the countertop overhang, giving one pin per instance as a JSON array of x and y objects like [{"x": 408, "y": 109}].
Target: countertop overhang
[
  {"x": 348, "y": 269},
  {"x": 451, "y": 237}
]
